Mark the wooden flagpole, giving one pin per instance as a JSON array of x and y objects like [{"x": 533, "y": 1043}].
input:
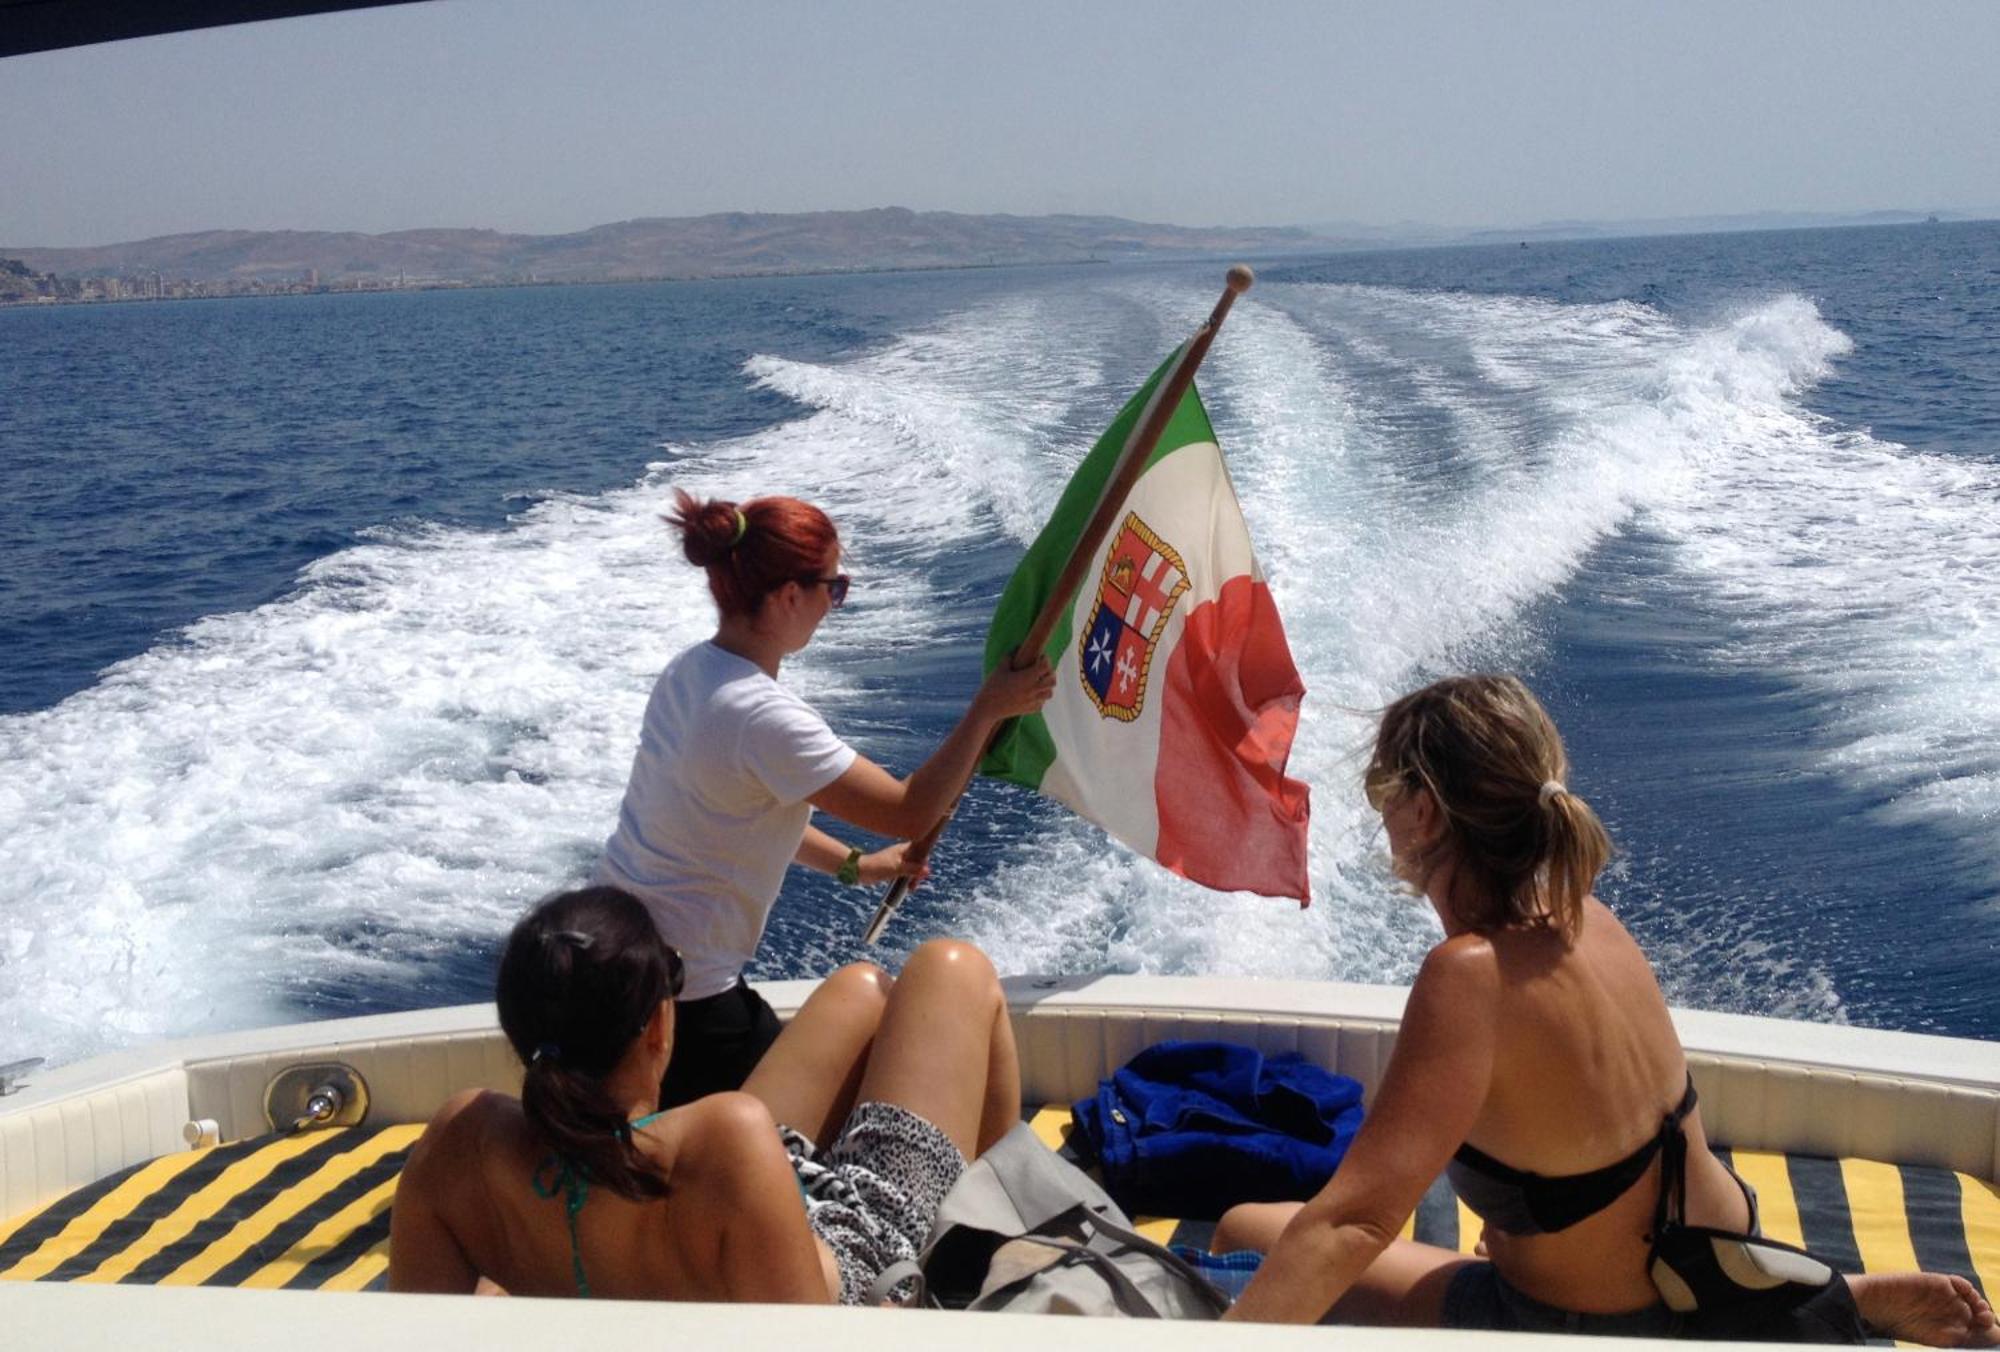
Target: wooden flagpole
[{"x": 1131, "y": 464}]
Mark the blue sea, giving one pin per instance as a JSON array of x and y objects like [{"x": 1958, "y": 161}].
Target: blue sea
[{"x": 328, "y": 621}]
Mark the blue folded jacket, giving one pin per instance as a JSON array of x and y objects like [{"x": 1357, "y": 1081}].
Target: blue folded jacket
[{"x": 1191, "y": 1128}]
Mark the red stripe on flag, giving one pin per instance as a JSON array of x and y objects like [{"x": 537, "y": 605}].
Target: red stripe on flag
[{"x": 1229, "y": 818}]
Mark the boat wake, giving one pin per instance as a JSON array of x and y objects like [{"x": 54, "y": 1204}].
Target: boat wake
[{"x": 339, "y": 801}]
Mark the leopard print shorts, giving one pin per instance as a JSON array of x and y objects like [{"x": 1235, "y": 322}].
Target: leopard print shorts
[{"x": 873, "y": 1194}]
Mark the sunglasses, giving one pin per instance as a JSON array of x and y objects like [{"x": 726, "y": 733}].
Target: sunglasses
[
  {"x": 836, "y": 587},
  {"x": 1381, "y": 784},
  {"x": 677, "y": 972}
]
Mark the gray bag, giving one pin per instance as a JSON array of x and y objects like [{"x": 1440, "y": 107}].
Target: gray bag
[{"x": 1024, "y": 1230}]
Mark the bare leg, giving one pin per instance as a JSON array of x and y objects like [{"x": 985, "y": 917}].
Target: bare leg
[
  {"x": 1002, "y": 1106},
  {"x": 945, "y": 1050},
  {"x": 1404, "y": 1285},
  {"x": 1924, "y": 1307},
  {"x": 1252, "y": 1225},
  {"x": 810, "y": 1076}
]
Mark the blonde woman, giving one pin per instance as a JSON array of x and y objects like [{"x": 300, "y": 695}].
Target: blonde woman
[{"x": 1536, "y": 1063}]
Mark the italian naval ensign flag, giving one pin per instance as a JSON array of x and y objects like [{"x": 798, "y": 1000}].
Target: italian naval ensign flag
[{"x": 1176, "y": 698}]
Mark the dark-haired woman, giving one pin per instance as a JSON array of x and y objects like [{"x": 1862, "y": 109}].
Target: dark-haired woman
[
  {"x": 1536, "y": 1062},
  {"x": 582, "y": 1186},
  {"x": 731, "y": 765}
]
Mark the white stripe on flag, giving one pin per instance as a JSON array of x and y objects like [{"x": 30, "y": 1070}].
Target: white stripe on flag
[{"x": 1105, "y": 768}]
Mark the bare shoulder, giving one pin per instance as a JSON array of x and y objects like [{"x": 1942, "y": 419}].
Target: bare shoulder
[
  {"x": 1601, "y": 925},
  {"x": 1602, "y": 919},
  {"x": 746, "y": 1229},
  {"x": 472, "y": 1110},
  {"x": 729, "y": 1130},
  {"x": 1463, "y": 967},
  {"x": 709, "y": 1129},
  {"x": 463, "y": 1120},
  {"x": 726, "y": 1160},
  {"x": 428, "y": 1246},
  {"x": 1456, "y": 993},
  {"x": 1612, "y": 946},
  {"x": 727, "y": 1111}
]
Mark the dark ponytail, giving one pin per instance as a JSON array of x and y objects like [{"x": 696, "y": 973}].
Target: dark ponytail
[
  {"x": 581, "y": 976},
  {"x": 751, "y": 550}
]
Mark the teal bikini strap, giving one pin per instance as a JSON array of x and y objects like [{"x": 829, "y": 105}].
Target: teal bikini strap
[
  {"x": 572, "y": 1184},
  {"x": 567, "y": 1181}
]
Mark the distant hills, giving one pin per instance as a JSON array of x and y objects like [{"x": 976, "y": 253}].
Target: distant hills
[
  {"x": 1711, "y": 225},
  {"x": 726, "y": 244},
  {"x": 16, "y": 280},
  {"x": 1417, "y": 234},
  {"x": 739, "y": 244}
]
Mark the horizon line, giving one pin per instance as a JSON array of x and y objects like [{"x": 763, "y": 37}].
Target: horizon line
[{"x": 1319, "y": 229}]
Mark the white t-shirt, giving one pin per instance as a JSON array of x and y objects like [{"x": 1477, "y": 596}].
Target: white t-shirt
[{"x": 716, "y": 807}]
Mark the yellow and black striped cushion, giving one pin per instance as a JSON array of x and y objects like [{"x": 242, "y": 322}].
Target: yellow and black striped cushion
[
  {"x": 293, "y": 1211},
  {"x": 1861, "y": 1216},
  {"x": 313, "y": 1211}
]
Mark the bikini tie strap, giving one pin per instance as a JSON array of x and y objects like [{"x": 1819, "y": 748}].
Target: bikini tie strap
[
  {"x": 567, "y": 1181},
  {"x": 1673, "y": 1149}
]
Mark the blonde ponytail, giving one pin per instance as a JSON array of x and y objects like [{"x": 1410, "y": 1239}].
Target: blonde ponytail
[{"x": 1578, "y": 849}]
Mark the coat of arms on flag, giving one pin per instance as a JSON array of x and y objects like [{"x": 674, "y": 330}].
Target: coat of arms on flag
[{"x": 1143, "y": 577}]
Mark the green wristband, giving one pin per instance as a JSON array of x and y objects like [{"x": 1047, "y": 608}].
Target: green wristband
[{"x": 849, "y": 871}]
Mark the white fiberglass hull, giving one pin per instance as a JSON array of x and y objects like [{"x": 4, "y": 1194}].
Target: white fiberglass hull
[{"x": 1765, "y": 1084}]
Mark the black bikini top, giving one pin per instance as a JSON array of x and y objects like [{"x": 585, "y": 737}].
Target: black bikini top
[{"x": 1517, "y": 1202}]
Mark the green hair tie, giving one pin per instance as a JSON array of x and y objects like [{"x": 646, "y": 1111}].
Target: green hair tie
[{"x": 742, "y": 528}]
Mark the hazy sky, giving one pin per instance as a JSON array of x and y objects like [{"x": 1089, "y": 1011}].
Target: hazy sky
[{"x": 552, "y": 115}]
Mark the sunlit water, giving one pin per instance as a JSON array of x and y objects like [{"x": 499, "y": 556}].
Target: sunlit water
[{"x": 381, "y": 587}]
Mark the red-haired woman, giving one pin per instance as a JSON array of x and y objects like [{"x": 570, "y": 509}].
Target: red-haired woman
[{"x": 731, "y": 765}]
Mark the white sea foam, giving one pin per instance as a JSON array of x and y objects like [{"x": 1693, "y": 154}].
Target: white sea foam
[
  {"x": 1380, "y": 583},
  {"x": 1859, "y": 570},
  {"x": 368, "y": 778},
  {"x": 948, "y": 428},
  {"x": 339, "y": 785},
  {"x": 1866, "y": 573},
  {"x": 371, "y": 776}
]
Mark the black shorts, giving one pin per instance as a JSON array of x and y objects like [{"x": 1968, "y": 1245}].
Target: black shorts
[
  {"x": 1478, "y": 1297},
  {"x": 718, "y": 1041}
]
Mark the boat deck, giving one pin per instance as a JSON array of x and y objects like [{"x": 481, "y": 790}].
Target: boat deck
[
  {"x": 312, "y": 1211},
  {"x": 304, "y": 1211}
]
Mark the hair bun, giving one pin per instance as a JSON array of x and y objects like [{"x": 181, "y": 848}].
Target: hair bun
[
  {"x": 751, "y": 549},
  {"x": 709, "y": 530}
]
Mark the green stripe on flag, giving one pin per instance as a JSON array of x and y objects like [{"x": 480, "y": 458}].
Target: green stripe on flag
[{"x": 1024, "y": 751}]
